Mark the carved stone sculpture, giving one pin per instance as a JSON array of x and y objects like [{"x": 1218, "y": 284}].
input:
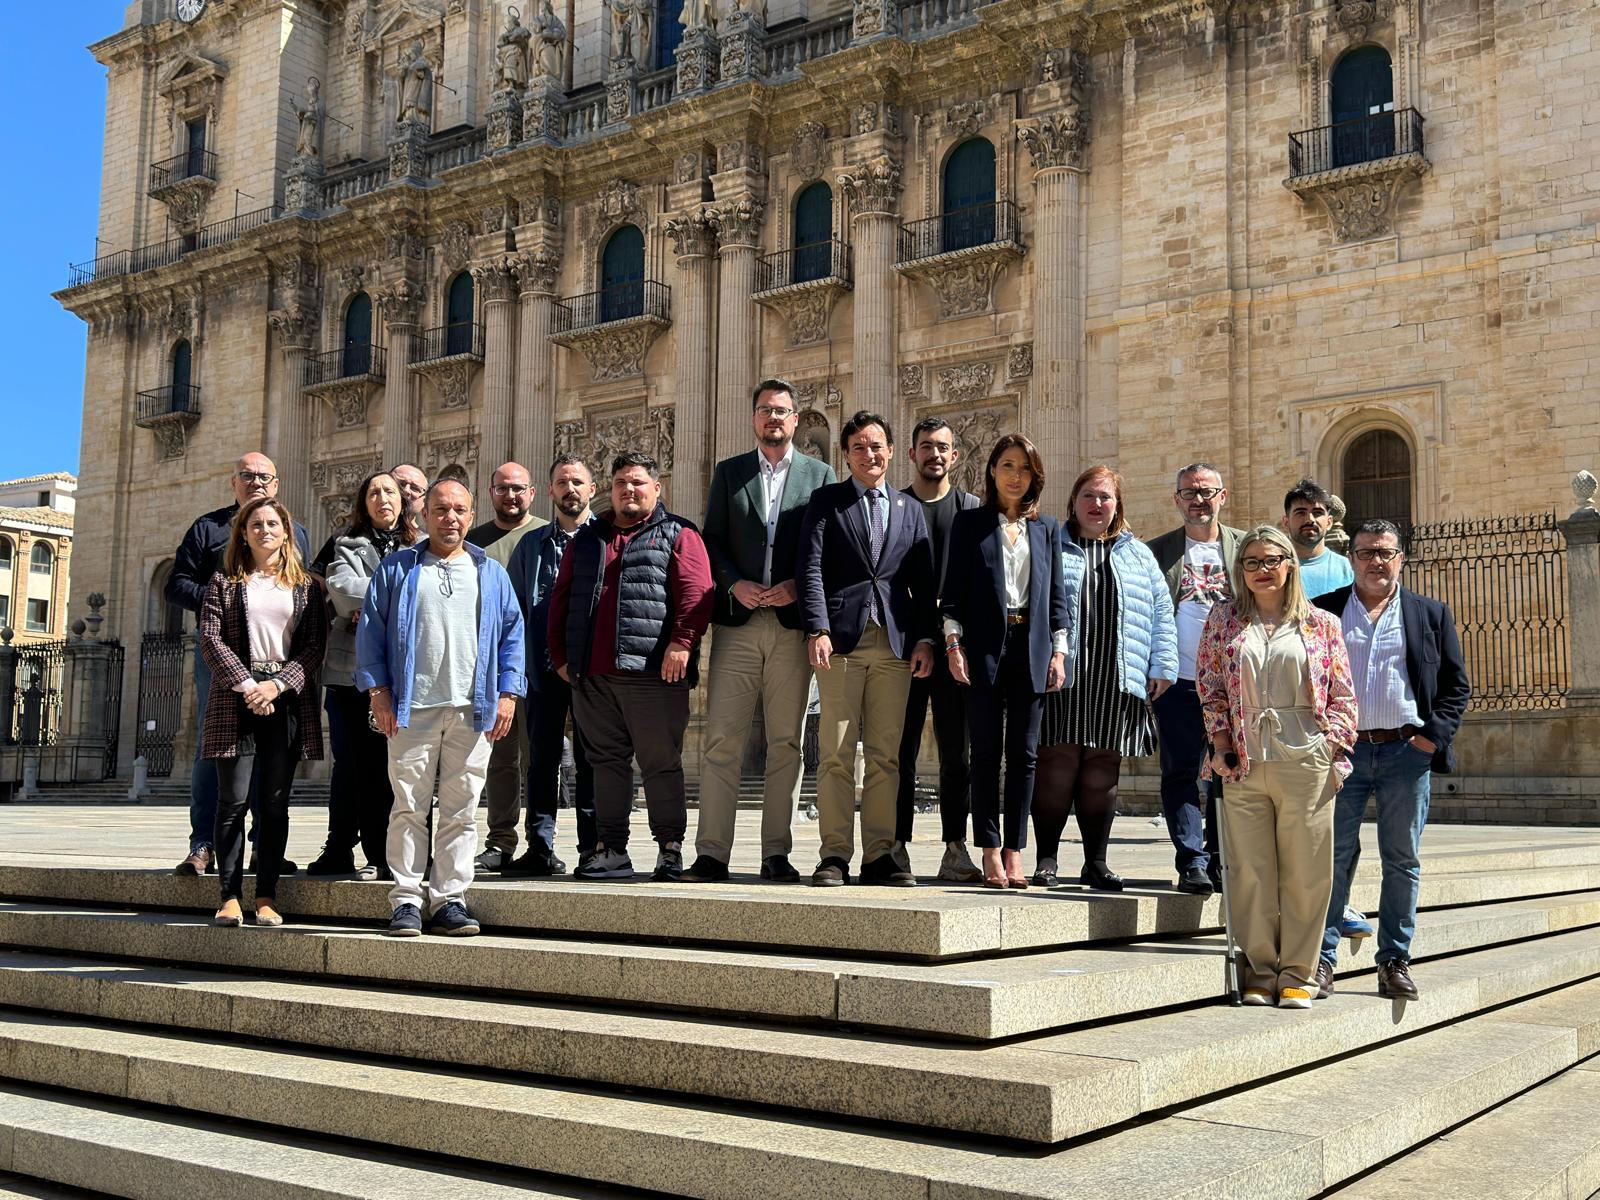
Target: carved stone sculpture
[
  {"x": 416, "y": 88},
  {"x": 512, "y": 50},
  {"x": 308, "y": 145},
  {"x": 700, "y": 14},
  {"x": 550, "y": 50}
]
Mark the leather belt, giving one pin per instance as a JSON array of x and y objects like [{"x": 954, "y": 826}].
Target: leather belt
[
  {"x": 1378, "y": 737},
  {"x": 1016, "y": 616}
]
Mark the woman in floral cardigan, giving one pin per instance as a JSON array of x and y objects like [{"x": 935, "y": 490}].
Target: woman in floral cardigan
[{"x": 1280, "y": 711}]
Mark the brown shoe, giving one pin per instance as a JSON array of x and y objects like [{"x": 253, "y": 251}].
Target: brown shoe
[
  {"x": 197, "y": 863},
  {"x": 1324, "y": 979},
  {"x": 1394, "y": 980}
]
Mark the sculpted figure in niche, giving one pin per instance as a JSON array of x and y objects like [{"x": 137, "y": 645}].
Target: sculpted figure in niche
[
  {"x": 416, "y": 88},
  {"x": 621, "y": 29},
  {"x": 699, "y": 14},
  {"x": 644, "y": 21},
  {"x": 309, "y": 142},
  {"x": 550, "y": 55},
  {"x": 512, "y": 50}
]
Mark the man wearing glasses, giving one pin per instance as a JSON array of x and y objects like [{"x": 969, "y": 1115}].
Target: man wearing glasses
[
  {"x": 512, "y": 495},
  {"x": 199, "y": 557},
  {"x": 752, "y": 532},
  {"x": 1411, "y": 691},
  {"x": 1194, "y": 559}
]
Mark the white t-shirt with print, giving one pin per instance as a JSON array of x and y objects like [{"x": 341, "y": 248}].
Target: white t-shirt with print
[{"x": 1203, "y": 583}]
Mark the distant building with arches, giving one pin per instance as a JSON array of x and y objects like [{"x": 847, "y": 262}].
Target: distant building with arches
[{"x": 36, "y": 515}]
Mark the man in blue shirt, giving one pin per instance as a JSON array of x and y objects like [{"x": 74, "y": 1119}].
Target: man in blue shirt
[{"x": 1307, "y": 517}]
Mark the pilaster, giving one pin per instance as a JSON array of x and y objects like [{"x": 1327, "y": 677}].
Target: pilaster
[
  {"x": 694, "y": 238},
  {"x": 496, "y": 285},
  {"x": 873, "y": 189}
]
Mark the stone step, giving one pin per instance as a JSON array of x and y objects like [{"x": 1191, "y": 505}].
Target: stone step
[
  {"x": 1292, "y": 1137},
  {"x": 1043, "y": 1089},
  {"x": 977, "y": 1000},
  {"x": 1542, "y": 1145},
  {"x": 111, "y": 1149},
  {"x": 15, "y": 1187},
  {"x": 936, "y": 921}
]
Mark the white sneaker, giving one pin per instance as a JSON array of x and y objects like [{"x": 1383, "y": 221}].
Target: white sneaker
[
  {"x": 605, "y": 864},
  {"x": 957, "y": 865}
]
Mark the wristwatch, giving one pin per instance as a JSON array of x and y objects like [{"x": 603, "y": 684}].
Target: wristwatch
[{"x": 816, "y": 633}]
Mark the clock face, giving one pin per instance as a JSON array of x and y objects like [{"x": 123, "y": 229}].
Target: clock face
[{"x": 190, "y": 10}]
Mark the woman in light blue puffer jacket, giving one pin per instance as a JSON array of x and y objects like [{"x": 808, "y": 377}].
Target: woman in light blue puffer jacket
[{"x": 1123, "y": 654}]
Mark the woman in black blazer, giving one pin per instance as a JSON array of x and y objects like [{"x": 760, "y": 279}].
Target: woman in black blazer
[{"x": 1005, "y": 627}]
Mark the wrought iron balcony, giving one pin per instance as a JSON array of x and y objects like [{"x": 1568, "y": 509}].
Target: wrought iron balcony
[
  {"x": 361, "y": 361},
  {"x": 464, "y": 338},
  {"x": 161, "y": 254},
  {"x": 830, "y": 260},
  {"x": 174, "y": 401},
  {"x": 978, "y": 225},
  {"x": 191, "y": 164},
  {"x": 644, "y": 299},
  {"x": 1351, "y": 143}
]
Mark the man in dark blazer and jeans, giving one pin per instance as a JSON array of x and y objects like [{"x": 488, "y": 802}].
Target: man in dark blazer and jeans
[
  {"x": 752, "y": 532},
  {"x": 867, "y": 596},
  {"x": 1411, "y": 693}
]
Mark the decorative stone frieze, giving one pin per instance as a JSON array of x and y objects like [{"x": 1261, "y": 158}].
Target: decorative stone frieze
[
  {"x": 458, "y": 448},
  {"x": 451, "y": 378},
  {"x": 699, "y": 58},
  {"x": 911, "y": 380},
  {"x": 494, "y": 281},
  {"x": 615, "y": 350},
  {"x": 599, "y": 437},
  {"x": 962, "y": 281},
  {"x": 1019, "y": 363},
  {"x": 873, "y": 186},
  {"x": 805, "y": 307},
  {"x": 1360, "y": 198},
  {"x": 873, "y": 115},
  {"x": 536, "y": 270},
  {"x": 965, "y": 382},
  {"x": 1057, "y": 139}
]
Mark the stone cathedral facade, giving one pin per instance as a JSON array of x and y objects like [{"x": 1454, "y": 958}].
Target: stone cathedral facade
[{"x": 1355, "y": 239}]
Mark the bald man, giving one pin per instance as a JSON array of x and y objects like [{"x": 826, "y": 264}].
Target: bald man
[
  {"x": 199, "y": 557},
  {"x": 512, "y": 493}
]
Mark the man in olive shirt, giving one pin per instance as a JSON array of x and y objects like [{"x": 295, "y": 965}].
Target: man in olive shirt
[{"x": 512, "y": 495}]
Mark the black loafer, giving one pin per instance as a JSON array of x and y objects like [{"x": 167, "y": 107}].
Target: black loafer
[
  {"x": 705, "y": 870},
  {"x": 886, "y": 871},
  {"x": 1195, "y": 883},
  {"x": 779, "y": 869},
  {"x": 1100, "y": 877}
]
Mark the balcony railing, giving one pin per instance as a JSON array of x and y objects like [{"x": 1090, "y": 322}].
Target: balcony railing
[
  {"x": 1350, "y": 143},
  {"x": 803, "y": 264},
  {"x": 787, "y": 49},
  {"x": 960, "y": 229},
  {"x": 657, "y": 88},
  {"x": 358, "y": 361},
  {"x": 643, "y": 298},
  {"x": 919, "y": 18},
  {"x": 353, "y": 179},
  {"x": 448, "y": 341},
  {"x": 191, "y": 164},
  {"x": 456, "y": 149},
  {"x": 161, "y": 254},
  {"x": 175, "y": 399}
]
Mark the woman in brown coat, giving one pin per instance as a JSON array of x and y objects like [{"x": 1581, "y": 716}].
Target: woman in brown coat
[{"x": 262, "y": 631}]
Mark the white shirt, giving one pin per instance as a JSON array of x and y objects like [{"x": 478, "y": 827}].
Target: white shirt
[
  {"x": 1015, "y": 571},
  {"x": 269, "y": 606},
  {"x": 1202, "y": 585},
  {"x": 1384, "y": 699},
  {"x": 774, "y": 477}
]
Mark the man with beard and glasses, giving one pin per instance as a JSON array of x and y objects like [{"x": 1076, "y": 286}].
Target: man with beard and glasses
[
  {"x": 1307, "y": 517},
  {"x": 512, "y": 494}
]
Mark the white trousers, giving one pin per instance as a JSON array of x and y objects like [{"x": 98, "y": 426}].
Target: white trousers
[{"x": 443, "y": 738}]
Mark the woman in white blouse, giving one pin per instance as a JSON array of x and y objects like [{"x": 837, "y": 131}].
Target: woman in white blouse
[
  {"x": 1005, "y": 627},
  {"x": 262, "y": 631}
]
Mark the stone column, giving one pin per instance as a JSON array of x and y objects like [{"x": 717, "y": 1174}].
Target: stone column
[
  {"x": 495, "y": 285},
  {"x": 1582, "y": 531},
  {"x": 694, "y": 238},
  {"x": 738, "y": 225},
  {"x": 873, "y": 189},
  {"x": 1058, "y": 142},
  {"x": 400, "y": 304},
  {"x": 533, "y": 426},
  {"x": 295, "y": 327}
]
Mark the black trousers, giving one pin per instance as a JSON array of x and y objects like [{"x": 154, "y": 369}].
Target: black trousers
[
  {"x": 950, "y": 733},
  {"x": 547, "y": 722},
  {"x": 1004, "y": 717},
  {"x": 359, "y": 796},
  {"x": 270, "y": 746},
  {"x": 624, "y": 717}
]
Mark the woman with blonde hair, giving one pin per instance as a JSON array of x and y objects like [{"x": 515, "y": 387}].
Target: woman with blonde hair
[
  {"x": 262, "y": 632},
  {"x": 1280, "y": 711}
]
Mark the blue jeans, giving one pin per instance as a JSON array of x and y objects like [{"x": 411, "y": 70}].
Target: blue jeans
[
  {"x": 1182, "y": 733},
  {"x": 203, "y": 776},
  {"x": 1398, "y": 775}
]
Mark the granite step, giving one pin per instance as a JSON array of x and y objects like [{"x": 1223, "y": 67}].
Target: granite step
[
  {"x": 930, "y": 923},
  {"x": 55, "y": 1143},
  {"x": 995, "y": 998},
  {"x": 1041, "y": 1089}
]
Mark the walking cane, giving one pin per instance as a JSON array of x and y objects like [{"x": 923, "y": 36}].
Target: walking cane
[{"x": 1230, "y": 965}]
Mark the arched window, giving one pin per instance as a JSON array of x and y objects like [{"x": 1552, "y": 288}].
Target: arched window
[
  {"x": 7, "y": 557},
  {"x": 1377, "y": 479},
  {"x": 5, "y": 554},
  {"x": 358, "y": 335},
  {"x": 161, "y": 615},
  {"x": 41, "y": 561},
  {"x": 1361, "y": 91},
  {"x": 622, "y": 275},
  {"x": 969, "y": 195},
  {"x": 458, "y": 315},
  {"x": 669, "y": 32},
  {"x": 813, "y": 233},
  {"x": 182, "y": 372}
]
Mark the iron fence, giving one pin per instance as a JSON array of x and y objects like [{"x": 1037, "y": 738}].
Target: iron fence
[
  {"x": 802, "y": 264},
  {"x": 357, "y": 360},
  {"x": 164, "y": 663},
  {"x": 34, "y": 716},
  {"x": 447, "y": 341},
  {"x": 640, "y": 298},
  {"x": 959, "y": 229},
  {"x": 191, "y": 164},
  {"x": 1505, "y": 578},
  {"x": 1365, "y": 139},
  {"x": 166, "y": 401}
]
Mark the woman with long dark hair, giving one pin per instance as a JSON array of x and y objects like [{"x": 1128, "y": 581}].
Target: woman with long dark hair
[
  {"x": 262, "y": 632},
  {"x": 1005, "y": 627},
  {"x": 1124, "y": 653},
  {"x": 359, "y": 798}
]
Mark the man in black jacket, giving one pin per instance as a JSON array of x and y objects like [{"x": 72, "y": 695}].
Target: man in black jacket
[
  {"x": 199, "y": 557},
  {"x": 1411, "y": 693}
]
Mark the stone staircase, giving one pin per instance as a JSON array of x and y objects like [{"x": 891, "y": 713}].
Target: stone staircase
[{"x": 741, "y": 1041}]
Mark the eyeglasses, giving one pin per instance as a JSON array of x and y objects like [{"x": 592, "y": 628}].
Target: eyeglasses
[
  {"x": 510, "y": 489},
  {"x": 256, "y": 476},
  {"x": 447, "y": 583},
  {"x": 770, "y": 410},
  {"x": 1383, "y": 554},
  {"x": 1199, "y": 493},
  {"x": 1271, "y": 563}
]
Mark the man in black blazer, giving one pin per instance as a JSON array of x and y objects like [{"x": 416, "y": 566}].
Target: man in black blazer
[
  {"x": 1411, "y": 693},
  {"x": 752, "y": 532},
  {"x": 867, "y": 599}
]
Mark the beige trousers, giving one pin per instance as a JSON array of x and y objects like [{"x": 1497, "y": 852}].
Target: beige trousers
[
  {"x": 1278, "y": 831},
  {"x": 757, "y": 660},
  {"x": 869, "y": 687}
]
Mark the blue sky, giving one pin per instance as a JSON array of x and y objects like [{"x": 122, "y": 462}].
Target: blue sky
[{"x": 53, "y": 94}]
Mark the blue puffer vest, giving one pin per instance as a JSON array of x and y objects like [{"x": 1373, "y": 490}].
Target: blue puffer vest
[
  {"x": 1147, "y": 638},
  {"x": 644, "y": 600}
]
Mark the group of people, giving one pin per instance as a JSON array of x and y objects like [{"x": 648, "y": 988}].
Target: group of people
[{"x": 1282, "y": 684}]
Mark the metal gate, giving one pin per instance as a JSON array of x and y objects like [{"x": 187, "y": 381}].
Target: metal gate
[
  {"x": 163, "y": 663},
  {"x": 35, "y": 715}
]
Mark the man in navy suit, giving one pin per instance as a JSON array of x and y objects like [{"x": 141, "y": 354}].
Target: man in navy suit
[
  {"x": 1411, "y": 691},
  {"x": 867, "y": 597}
]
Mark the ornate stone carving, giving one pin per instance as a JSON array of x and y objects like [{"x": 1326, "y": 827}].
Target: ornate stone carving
[
  {"x": 911, "y": 380},
  {"x": 806, "y": 307},
  {"x": 511, "y": 51},
  {"x": 302, "y": 185},
  {"x": 537, "y": 270},
  {"x": 451, "y": 378},
  {"x": 1057, "y": 139},
  {"x": 333, "y": 481},
  {"x": 964, "y": 120},
  {"x": 699, "y": 59},
  {"x": 172, "y": 437},
  {"x": 873, "y": 115},
  {"x": 494, "y": 281},
  {"x": 615, "y": 350},
  {"x": 619, "y": 200},
  {"x": 808, "y": 152},
  {"x": 503, "y": 120},
  {"x": 619, "y": 99},
  {"x": 408, "y": 153},
  {"x": 416, "y": 90},
  {"x": 541, "y": 112},
  {"x": 663, "y": 428},
  {"x": 456, "y": 449},
  {"x": 812, "y": 434},
  {"x": 741, "y": 34},
  {"x": 688, "y": 167},
  {"x": 400, "y": 302},
  {"x": 1584, "y": 487},
  {"x": 963, "y": 280},
  {"x": 965, "y": 382},
  {"x": 975, "y": 432},
  {"x": 348, "y": 402},
  {"x": 598, "y": 438},
  {"x": 873, "y": 186},
  {"x": 738, "y": 221},
  {"x": 296, "y": 327},
  {"x": 693, "y": 234},
  {"x": 455, "y": 247},
  {"x": 186, "y": 201},
  {"x": 1355, "y": 17},
  {"x": 1019, "y": 363},
  {"x": 1360, "y": 198},
  {"x": 870, "y": 19}
]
